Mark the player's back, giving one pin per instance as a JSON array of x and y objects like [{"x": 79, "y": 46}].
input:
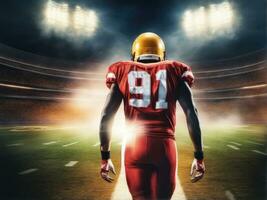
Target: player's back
[{"x": 149, "y": 93}]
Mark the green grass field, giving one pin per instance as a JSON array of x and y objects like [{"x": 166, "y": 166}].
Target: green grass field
[{"x": 33, "y": 159}]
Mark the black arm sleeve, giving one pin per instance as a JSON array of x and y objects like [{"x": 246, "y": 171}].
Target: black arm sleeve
[
  {"x": 186, "y": 101},
  {"x": 112, "y": 105}
]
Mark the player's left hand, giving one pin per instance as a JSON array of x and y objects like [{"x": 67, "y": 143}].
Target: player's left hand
[
  {"x": 197, "y": 170},
  {"x": 106, "y": 167}
]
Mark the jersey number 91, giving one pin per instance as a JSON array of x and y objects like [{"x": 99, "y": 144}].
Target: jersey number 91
[{"x": 145, "y": 89}]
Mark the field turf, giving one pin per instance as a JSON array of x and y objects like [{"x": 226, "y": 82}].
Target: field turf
[{"x": 36, "y": 163}]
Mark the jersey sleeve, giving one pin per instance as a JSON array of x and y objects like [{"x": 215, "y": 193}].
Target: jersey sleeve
[
  {"x": 185, "y": 73},
  {"x": 112, "y": 74}
]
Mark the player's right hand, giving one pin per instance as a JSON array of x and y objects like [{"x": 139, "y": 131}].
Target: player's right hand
[
  {"x": 197, "y": 170},
  {"x": 106, "y": 167}
]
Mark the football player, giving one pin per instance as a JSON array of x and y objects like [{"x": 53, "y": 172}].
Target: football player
[{"x": 149, "y": 87}]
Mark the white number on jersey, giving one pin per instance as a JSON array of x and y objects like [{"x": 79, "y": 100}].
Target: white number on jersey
[
  {"x": 145, "y": 89},
  {"x": 161, "y": 76}
]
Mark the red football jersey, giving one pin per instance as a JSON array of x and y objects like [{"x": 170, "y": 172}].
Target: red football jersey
[{"x": 149, "y": 93}]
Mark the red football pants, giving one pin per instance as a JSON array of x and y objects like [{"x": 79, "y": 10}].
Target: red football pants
[{"x": 150, "y": 166}]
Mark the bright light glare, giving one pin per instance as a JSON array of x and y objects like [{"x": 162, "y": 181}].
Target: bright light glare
[
  {"x": 84, "y": 21},
  {"x": 57, "y": 15},
  {"x": 215, "y": 20},
  {"x": 65, "y": 21}
]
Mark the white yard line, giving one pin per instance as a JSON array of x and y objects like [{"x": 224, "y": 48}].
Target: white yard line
[
  {"x": 66, "y": 145},
  {"x": 71, "y": 163},
  {"x": 232, "y": 147},
  {"x": 259, "y": 152},
  {"x": 28, "y": 171},
  {"x": 96, "y": 144},
  {"x": 229, "y": 195},
  {"x": 235, "y": 143},
  {"x": 178, "y": 192},
  {"x": 206, "y": 147},
  {"x": 257, "y": 143},
  {"x": 29, "y": 128},
  {"x": 15, "y": 144},
  {"x": 250, "y": 130},
  {"x": 48, "y": 143}
]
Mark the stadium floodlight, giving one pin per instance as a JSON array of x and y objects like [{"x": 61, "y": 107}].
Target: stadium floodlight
[
  {"x": 188, "y": 22},
  {"x": 84, "y": 21},
  {"x": 65, "y": 21},
  {"x": 57, "y": 15},
  {"x": 214, "y": 20},
  {"x": 200, "y": 20}
]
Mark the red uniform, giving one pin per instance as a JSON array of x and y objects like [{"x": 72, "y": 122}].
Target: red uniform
[{"x": 149, "y": 95}]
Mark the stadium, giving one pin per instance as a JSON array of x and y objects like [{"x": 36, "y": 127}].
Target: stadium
[{"x": 53, "y": 61}]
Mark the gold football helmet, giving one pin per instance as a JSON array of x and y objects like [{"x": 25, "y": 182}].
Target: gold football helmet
[{"x": 148, "y": 44}]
